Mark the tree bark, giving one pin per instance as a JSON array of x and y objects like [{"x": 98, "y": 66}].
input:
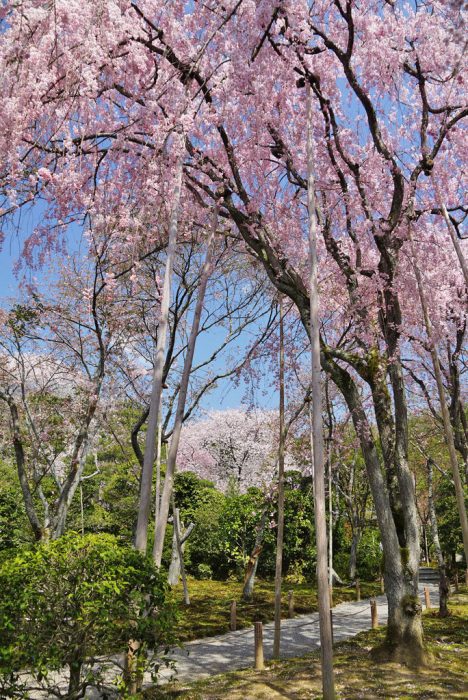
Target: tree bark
[
  {"x": 180, "y": 551},
  {"x": 280, "y": 516},
  {"x": 251, "y": 569},
  {"x": 21, "y": 467},
  {"x": 74, "y": 680},
  {"x": 144, "y": 504},
  {"x": 174, "y": 446},
  {"x": 175, "y": 565},
  {"x": 326, "y": 643},
  {"x": 353, "y": 553}
]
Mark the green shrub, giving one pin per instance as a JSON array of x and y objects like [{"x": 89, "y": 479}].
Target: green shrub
[
  {"x": 67, "y": 603},
  {"x": 204, "y": 572},
  {"x": 369, "y": 555}
]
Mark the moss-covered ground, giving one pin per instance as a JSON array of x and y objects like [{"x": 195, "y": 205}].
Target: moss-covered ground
[
  {"x": 210, "y": 603},
  {"x": 357, "y": 675}
]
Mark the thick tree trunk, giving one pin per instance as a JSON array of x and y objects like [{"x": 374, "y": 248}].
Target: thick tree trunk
[
  {"x": 404, "y": 628},
  {"x": 444, "y": 585},
  {"x": 404, "y": 631},
  {"x": 174, "y": 446}
]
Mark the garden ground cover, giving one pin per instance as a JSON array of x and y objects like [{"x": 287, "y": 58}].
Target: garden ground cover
[{"x": 209, "y": 611}]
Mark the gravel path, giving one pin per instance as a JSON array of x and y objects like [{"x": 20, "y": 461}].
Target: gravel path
[
  {"x": 235, "y": 650},
  {"x": 300, "y": 635}
]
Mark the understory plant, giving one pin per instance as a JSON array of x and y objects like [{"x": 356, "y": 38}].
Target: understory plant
[{"x": 68, "y": 610}]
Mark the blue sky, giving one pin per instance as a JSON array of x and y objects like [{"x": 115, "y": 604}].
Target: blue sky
[{"x": 227, "y": 395}]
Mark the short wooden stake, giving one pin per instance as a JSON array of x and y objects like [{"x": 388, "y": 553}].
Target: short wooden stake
[
  {"x": 382, "y": 585},
  {"x": 374, "y": 614},
  {"x": 358, "y": 589},
  {"x": 466, "y": 577},
  {"x": 331, "y": 624},
  {"x": 290, "y": 604},
  {"x": 233, "y": 616},
  {"x": 258, "y": 639},
  {"x": 132, "y": 677},
  {"x": 427, "y": 597},
  {"x": 330, "y": 592}
]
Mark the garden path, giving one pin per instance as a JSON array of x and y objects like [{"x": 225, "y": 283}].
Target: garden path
[{"x": 300, "y": 635}]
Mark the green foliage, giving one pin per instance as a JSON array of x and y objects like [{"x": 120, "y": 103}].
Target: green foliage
[
  {"x": 68, "y": 601},
  {"x": 14, "y": 528},
  {"x": 191, "y": 493},
  {"x": 448, "y": 520},
  {"x": 369, "y": 555},
  {"x": 204, "y": 572},
  {"x": 226, "y": 527}
]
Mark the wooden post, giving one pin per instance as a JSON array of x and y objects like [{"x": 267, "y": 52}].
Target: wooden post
[
  {"x": 290, "y": 604},
  {"x": 330, "y": 590},
  {"x": 382, "y": 585},
  {"x": 258, "y": 640},
  {"x": 132, "y": 678},
  {"x": 233, "y": 615},
  {"x": 331, "y": 624},
  {"x": 427, "y": 597},
  {"x": 374, "y": 614},
  {"x": 358, "y": 589},
  {"x": 466, "y": 577}
]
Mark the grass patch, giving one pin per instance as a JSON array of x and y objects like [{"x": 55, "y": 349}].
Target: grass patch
[
  {"x": 209, "y": 611},
  {"x": 357, "y": 675}
]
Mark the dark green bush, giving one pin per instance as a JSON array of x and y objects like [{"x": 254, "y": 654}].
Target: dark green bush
[{"x": 69, "y": 603}]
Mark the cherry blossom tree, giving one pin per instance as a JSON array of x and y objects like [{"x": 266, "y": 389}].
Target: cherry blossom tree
[
  {"x": 55, "y": 348},
  {"x": 93, "y": 94}
]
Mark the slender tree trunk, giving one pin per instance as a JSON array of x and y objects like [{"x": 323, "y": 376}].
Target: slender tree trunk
[
  {"x": 144, "y": 505},
  {"x": 180, "y": 550},
  {"x": 74, "y": 680},
  {"x": 21, "y": 467},
  {"x": 460, "y": 496},
  {"x": 326, "y": 643},
  {"x": 444, "y": 585},
  {"x": 157, "y": 497},
  {"x": 280, "y": 516},
  {"x": 174, "y": 446},
  {"x": 64, "y": 505},
  {"x": 330, "y": 521},
  {"x": 176, "y": 565},
  {"x": 353, "y": 554},
  {"x": 251, "y": 569},
  {"x": 426, "y": 548}
]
